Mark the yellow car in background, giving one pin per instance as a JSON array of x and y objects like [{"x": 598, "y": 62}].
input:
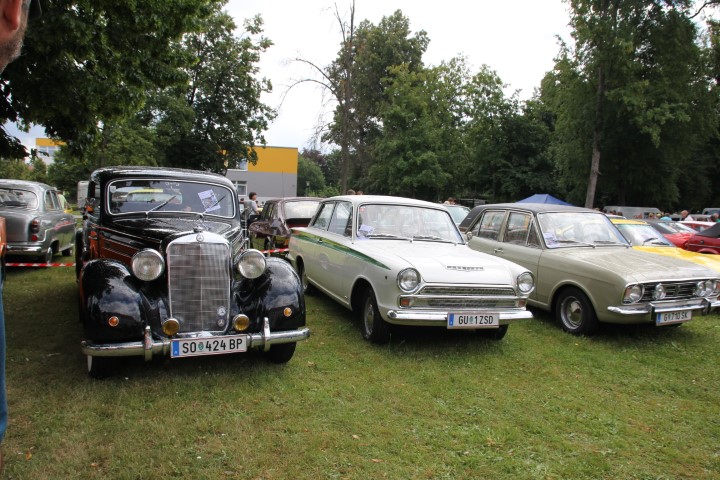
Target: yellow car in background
[{"x": 644, "y": 237}]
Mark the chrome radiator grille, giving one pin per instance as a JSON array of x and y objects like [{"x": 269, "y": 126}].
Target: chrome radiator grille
[
  {"x": 199, "y": 285},
  {"x": 457, "y": 297},
  {"x": 673, "y": 291}
]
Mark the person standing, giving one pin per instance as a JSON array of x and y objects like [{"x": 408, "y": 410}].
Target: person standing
[
  {"x": 14, "y": 15},
  {"x": 685, "y": 216}
]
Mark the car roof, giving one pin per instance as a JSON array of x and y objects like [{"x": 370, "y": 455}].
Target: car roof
[
  {"x": 534, "y": 208},
  {"x": 13, "y": 183},
  {"x": 105, "y": 174},
  {"x": 358, "y": 199}
]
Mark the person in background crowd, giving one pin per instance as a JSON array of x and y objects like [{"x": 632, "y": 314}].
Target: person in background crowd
[
  {"x": 685, "y": 216},
  {"x": 715, "y": 217},
  {"x": 14, "y": 15},
  {"x": 359, "y": 192},
  {"x": 254, "y": 208},
  {"x": 666, "y": 216},
  {"x": 350, "y": 191}
]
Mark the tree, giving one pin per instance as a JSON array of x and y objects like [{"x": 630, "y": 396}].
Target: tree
[
  {"x": 309, "y": 178},
  {"x": 89, "y": 62}
]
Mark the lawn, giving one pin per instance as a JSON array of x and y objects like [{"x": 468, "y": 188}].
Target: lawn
[{"x": 630, "y": 403}]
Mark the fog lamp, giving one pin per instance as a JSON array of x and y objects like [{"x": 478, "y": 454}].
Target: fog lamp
[
  {"x": 287, "y": 311},
  {"x": 659, "y": 292},
  {"x": 241, "y": 322},
  {"x": 170, "y": 327}
]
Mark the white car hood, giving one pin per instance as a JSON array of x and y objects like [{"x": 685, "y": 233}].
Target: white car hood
[{"x": 445, "y": 262}]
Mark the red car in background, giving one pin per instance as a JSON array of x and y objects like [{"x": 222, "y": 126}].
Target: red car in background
[
  {"x": 272, "y": 230},
  {"x": 676, "y": 232},
  {"x": 707, "y": 241}
]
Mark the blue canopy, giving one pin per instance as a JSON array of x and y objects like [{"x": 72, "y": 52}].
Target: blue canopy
[{"x": 543, "y": 198}]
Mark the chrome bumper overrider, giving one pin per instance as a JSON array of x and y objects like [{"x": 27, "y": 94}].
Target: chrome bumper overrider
[
  {"x": 149, "y": 346},
  {"x": 410, "y": 317}
]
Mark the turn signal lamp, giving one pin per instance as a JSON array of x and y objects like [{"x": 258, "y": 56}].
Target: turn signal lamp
[
  {"x": 170, "y": 327},
  {"x": 287, "y": 311},
  {"x": 113, "y": 321},
  {"x": 241, "y": 322}
]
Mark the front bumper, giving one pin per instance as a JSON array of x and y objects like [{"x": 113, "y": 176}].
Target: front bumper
[
  {"x": 150, "y": 347},
  {"x": 439, "y": 319},
  {"x": 649, "y": 310}
]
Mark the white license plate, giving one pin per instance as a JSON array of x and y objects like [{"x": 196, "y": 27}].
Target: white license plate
[
  {"x": 673, "y": 317},
  {"x": 473, "y": 320},
  {"x": 193, "y": 347}
]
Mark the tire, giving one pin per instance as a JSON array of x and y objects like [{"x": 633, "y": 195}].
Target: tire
[
  {"x": 307, "y": 287},
  {"x": 78, "y": 260},
  {"x": 99, "y": 367},
  {"x": 374, "y": 328},
  {"x": 281, "y": 353},
  {"x": 496, "y": 334},
  {"x": 575, "y": 312}
]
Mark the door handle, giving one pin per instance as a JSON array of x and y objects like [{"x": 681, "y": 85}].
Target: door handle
[{"x": 497, "y": 250}]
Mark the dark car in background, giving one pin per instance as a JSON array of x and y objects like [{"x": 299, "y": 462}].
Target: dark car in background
[
  {"x": 272, "y": 229},
  {"x": 36, "y": 223},
  {"x": 163, "y": 270}
]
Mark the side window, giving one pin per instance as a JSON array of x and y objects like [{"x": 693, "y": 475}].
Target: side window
[
  {"x": 268, "y": 210},
  {"x": 517, "y": 228},
  {"x": 322, "y": 220},
  {"x": 533, "y": 237},
  {"x": 51, "y": 202},
  {"x": 341, "y": 222},
  {"x": 489, "y": 225}
]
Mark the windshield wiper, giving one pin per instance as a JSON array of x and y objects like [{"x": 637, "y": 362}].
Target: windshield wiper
[
  {"x": 386, "y": 235},
  {"x": 654, "y": 240},
  {"x": 214, "y": 204},
  {"x": 433, "y": 238},
  {"x": 577, "y": 242},
  {"x": 162, "y": 204}
]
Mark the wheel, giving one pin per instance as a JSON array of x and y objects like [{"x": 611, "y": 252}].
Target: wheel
[
  {"x": 68, "y": 251},
  {"x": 99, "y": 367},
  {"x": 47, "y": 257},
  {"x": 575, "y": 312},
  {"x": 78, "y": 260},
  {"x": 495, "y": 333},
  {"x": 308, "y": 288},
  {"x": 281, "y": 353},
  {"x": 374, "y": 328}
]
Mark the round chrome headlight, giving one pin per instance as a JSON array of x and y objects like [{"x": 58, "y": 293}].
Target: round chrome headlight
[
  {"x": 659, "y": 292},
  {"x": 703, "y": 288},
  {"x": 633, "y": 294},
  {"x": 251, "y": 264},
  {"x": 525, "y": 282},
  {"x": 147, "y": 265},
  {"x": 408, "y": 279}
]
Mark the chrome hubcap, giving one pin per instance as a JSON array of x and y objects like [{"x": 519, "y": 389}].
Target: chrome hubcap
[{"x": 572, "y": 312}]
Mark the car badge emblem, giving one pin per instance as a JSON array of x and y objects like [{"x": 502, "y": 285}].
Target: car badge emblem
[
  {"x": 200, "y": 238},
  {"x": 221, "y": 311},
  {"x": 464, "y": 268},
  {"x": 221, "y": 322}
]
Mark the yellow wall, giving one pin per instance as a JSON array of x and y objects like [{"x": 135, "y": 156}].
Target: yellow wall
[
  {"x": 47, "y": 142},
  {"x": 275, "y": 159}
]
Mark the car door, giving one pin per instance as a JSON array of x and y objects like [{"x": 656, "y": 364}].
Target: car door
[
  {"x": 313, "y": 243},
  {"x": 486, "y": 231},
  {"x": 519, "y": 242},
  {"x": 259, "y": 230},
  {"x": 333, "y": 257}
]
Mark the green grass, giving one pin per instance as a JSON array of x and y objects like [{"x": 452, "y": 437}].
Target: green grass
[{"x": 630, "y": 403}]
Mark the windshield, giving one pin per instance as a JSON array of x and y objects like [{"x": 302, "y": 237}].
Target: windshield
[
  {"x": 163, "y": 195},
  {"x": 13, "y": 197},
  {"x": 672, "y": 227},
  {"x": 406, "y": 222},
  {"x": 458, "y": 212},
  {"x": 572, "y": 229},
  {"x": 643, "y": 235},
  {"x": 302, "y": 209}
]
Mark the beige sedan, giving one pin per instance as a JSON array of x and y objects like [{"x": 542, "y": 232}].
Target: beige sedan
[{"x": 586, "y": 272}]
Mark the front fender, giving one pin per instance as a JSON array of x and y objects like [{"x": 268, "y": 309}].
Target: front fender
[
  {"x": 278, "y": 289},
  {"x": 108, "y": 289}
]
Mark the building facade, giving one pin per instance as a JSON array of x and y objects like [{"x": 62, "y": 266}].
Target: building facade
[{"x": 273, "y": 176}]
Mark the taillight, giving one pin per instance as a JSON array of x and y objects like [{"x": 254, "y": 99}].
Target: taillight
[{"x": 34, "y": 230}]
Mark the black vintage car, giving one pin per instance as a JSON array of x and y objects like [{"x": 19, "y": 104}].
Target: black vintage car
[{"x": 163, "y": 269}]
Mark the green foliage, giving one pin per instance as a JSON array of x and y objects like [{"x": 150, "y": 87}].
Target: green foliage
[
  {"x": 309, "y": 177},
  {"x": 89, "y": 62}
]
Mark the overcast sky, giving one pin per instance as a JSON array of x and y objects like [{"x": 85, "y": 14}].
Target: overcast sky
[{"x": 516, "y": 38}]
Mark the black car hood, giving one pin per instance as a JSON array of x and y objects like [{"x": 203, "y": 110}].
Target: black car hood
[{"x": 159, "y": 228}]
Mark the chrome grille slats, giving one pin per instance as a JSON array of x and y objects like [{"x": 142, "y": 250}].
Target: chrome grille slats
[
  {"x": 459, "y": 297},
  {"x": 673, "y": 290},
  {"x": 199, "y": 283}
]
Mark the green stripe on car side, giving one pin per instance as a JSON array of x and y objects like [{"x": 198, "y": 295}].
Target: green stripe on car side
[{"x": 338, "y": 247}]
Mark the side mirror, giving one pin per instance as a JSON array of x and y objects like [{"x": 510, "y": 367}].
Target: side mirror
[{"x": 469, "y": 236}]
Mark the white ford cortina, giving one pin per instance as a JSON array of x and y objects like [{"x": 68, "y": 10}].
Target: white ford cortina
[{"x": 403, "y": 262}]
